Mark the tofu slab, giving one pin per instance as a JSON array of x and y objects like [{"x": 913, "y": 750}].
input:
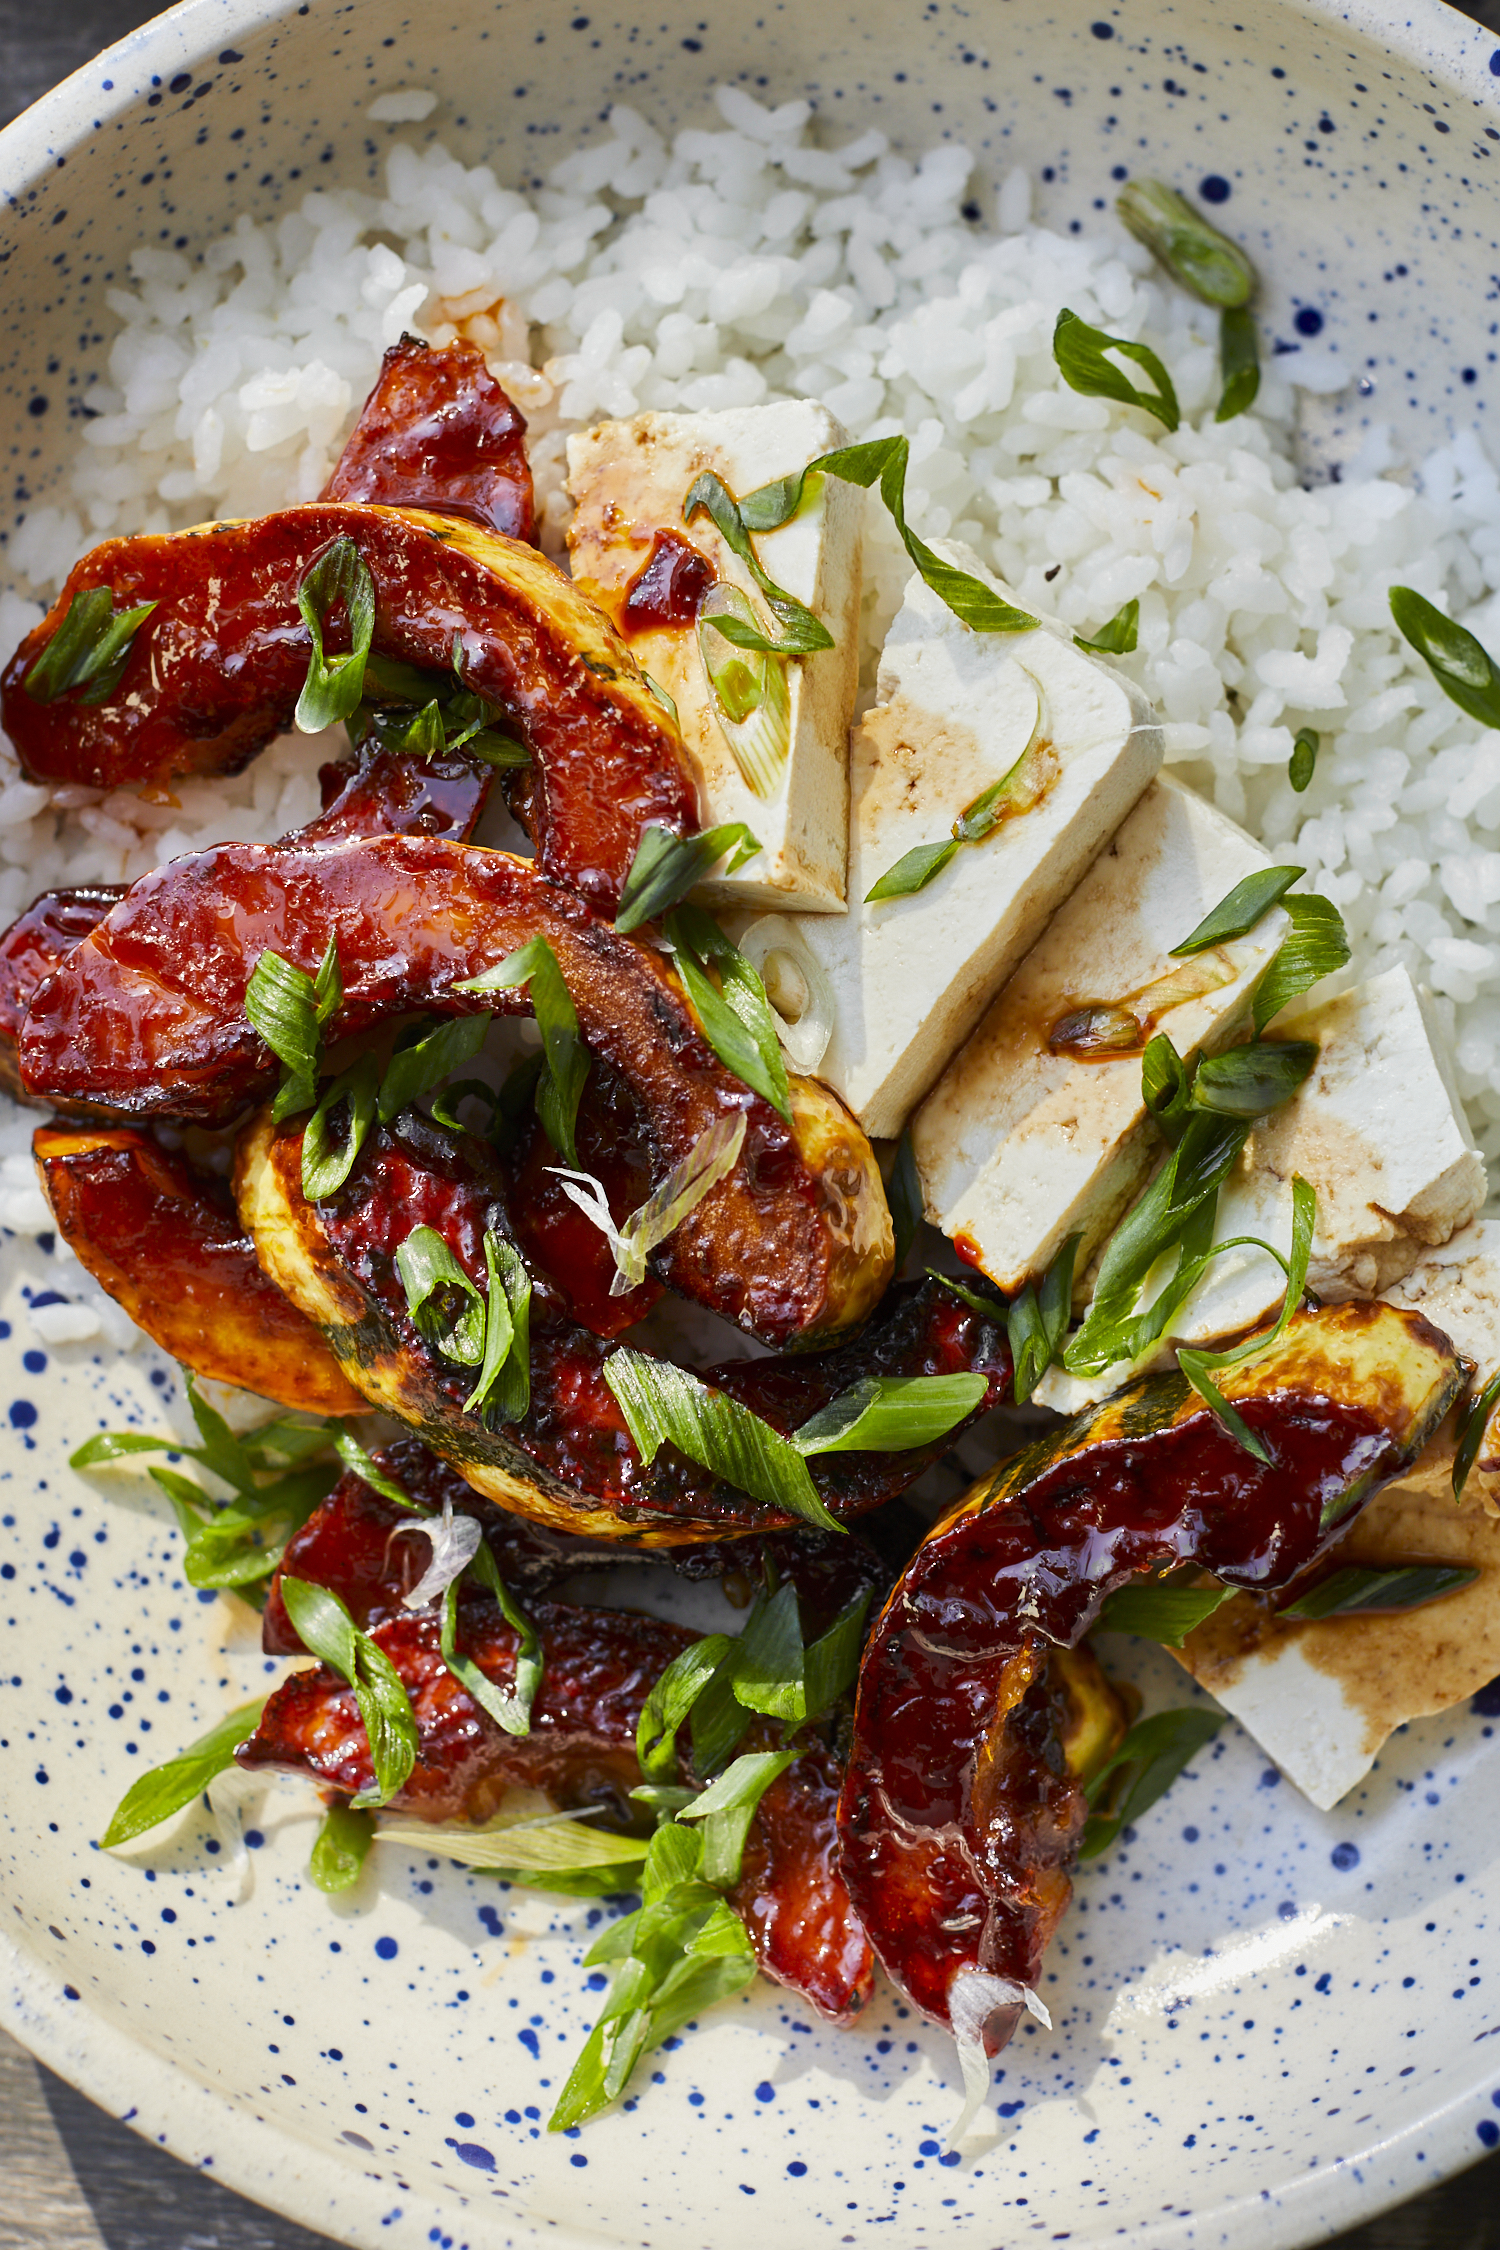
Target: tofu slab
[
  {"x": 1377, "y": 1133},
  {"x": 1322, "y": 1698},
  {"x": 956, "y": 709},
  {"x": 629, "y": 480},
  {"x": 1017, "y": 1147}
]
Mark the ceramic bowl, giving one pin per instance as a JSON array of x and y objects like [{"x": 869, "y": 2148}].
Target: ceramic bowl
[{"x": 1270, "y": 2021}]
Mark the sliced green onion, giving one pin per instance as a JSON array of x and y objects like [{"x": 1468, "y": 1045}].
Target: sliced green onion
[
  {"x": 1471, "y": 1434},
  {"x": 1166, "y": 1087},
  {"x": 803, "y": 633},
  {"x": 1143, "y": 1769},
  {"x": 1117, "y": 638},
  {"x": 156, "y": 1795},
  {"x": 1239, "y": 363},
  {"x": 1303, "y": 761},
  {"x": 335, "y": 684},
  {"x": 1017, "y": 790},
  {"x": 1080, "y": 355},
  {"x": 1237, "y": 914},
  {"x": 340, "y": 1848},
  {"x": 288, "y": 1008},
  {"x": 663, "y": 1404},
  {"x": 666, "y": 867},
  {"x": 89, "y": 649},
  {"x": 671, "y": 1699},
  {"x": 535, "y": 965},
  {"x": 1352, "y": 1593},
  {"x": 1316, "y": 944},
  {"x": 1461, "y": 665},
  {"x": 553, "y": 1843},
  {"x": 1156, "y": 1610},
  {"x": 1037, "y": 1321},
  {"x": 1250, "y": 1081},
  {"x": 884, "y": 461},
  {"x": 443, "y": 1302},
  {"x": 427, "y": 1058},
  {"x": 737, "y": 1019},
  {"x": 1178, "y": 236},
  {"x": 363, "y": 1465},
  {"x": 1199, "y": 1367},
  {"x": 727, "y": 1807},
  {"x": 710, "y": 1159},
  {"x": 503, "y": 1386},
  {"x": 891, "y": 1414},
  {"x": 326, "y": 1163},
  {"x": 324, "y": 1626},
  {"x": 750, "y": 693}
]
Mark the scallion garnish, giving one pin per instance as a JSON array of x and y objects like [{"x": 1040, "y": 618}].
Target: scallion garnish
[
  {"x": 1252, "y": 1080},
  {"x": 1461, "y": 665},
  {"x": 1143, "y": 1769},
  {"x": 737, "y": 1019},
  {"x": 1471, "y": 1434},
  {"x": 88, "y": 651},
  {"x": 1207, "y": 263},
  {"x": 710, "y": 1159},
  {"x": 340, "y": 1848},
  {"x": 1080, "y": 353},
  {"x": 445, "y": 1305},
  {"x": 666, "y": 867},
  {"x": 803, "y": 633},
  {"x": 1354, "y": 1592},
  {"x": 1239, "y": 363},
  {"x": 535, "y": 965},
  {"x": 156, "y": 1795},
  {"x": 289, "y": 1009},
  {"x": 324, "y": 1626},
  {"x": 1037, "y": 1321},
  {"x": 1302, "y": 763},
  {"x": 891, "y": 1414},
  {"x": 1118, "y": 637},
  {"x": 327, "y": 1161},
  {"x": 883, "y": 461},
  {"x": 1238, "y": 912},
  {"x": 1201, "y": 1367},
  {"x": 665, "y": 1405},
  {"x": 425, "y": 1055},
  {"x": 1158, "y": 1610},
  {"x": 1316, "y": 944},
  {"x": 338, "y": 577},
  {"x": 1017, "y": 790},
  {"x": 503, "y": 1385}
]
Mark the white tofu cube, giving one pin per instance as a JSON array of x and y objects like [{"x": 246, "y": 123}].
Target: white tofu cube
[
  {"x": 956, "y": 710},
  {"x": 1018, "y": 1147},
  {"x": 629, "y": 481},
  {"x": 1377, "y": 1134},
  {"x": 1457, "y": 1288}
]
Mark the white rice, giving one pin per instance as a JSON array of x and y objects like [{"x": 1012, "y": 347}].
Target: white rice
[{"x": 731, "y": 266}]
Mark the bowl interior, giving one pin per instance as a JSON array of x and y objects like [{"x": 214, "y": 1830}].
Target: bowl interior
[{"x": 1262, "y": 2041}]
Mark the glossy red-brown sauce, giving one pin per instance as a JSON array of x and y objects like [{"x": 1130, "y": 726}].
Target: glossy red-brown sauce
[
  {"x": 438, "y": 432},
  {"x": 215, "y": 672},
  {"x": 669, "y": 587},
  {"x": 599, "y": 1666},
  {"x": 957, "y": 1836},
  {"x": 408, "y": 1175},
  {"x": 553, "y": 1231},
  {"x": 149, "y": 1015}
]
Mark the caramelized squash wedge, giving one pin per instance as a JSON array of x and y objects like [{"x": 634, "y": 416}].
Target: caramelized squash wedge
[
  {"x": 169, "y": 1249},
  {"x": 148, "y": 1015},
  {"x": 958, "y": 1833},
  {"x": 216, "y": 669},
  {"x": 570, "y": 1462}
]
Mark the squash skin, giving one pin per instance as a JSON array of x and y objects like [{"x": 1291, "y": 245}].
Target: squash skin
[
  {"x": 958, "y": 1835},
  {"x": 215, "y": 672},
  {"x": 571, "y": 1464}
]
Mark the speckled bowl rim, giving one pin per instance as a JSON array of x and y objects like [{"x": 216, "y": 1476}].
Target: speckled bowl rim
[{"x": 165, "y": 2104}]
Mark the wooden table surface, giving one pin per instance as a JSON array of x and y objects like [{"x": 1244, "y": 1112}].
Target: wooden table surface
[{"x": 75, "y": 2179}]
